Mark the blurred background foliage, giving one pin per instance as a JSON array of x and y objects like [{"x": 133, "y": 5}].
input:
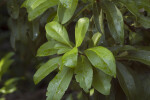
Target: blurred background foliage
[{"x": 20, "y": 39}]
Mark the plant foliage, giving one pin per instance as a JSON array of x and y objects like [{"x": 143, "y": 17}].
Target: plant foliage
[{"x": 97, "y": 41}]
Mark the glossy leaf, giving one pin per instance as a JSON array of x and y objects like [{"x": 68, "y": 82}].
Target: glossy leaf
[
  {"x": 33, "y": 13},
  {"x": 66, "y": 3},
  {"x": 102, "y": 59},
  {"x": 80, "y": 30},
  {"x": 34, "y": 3},
  {"x": 84, "y": 73},
  {"x": 101, "y": 82},
  {"x": 46, "y": 69},
  {"x": 65, "y": 13},
  {"x": 62, "y": 48},
  {"x": 69, "y": 59},
  {"x": 96, "y": 37},
  {"x": 57, "y": 32},
  {"x": 47, "y": 49},
  {"x": 115, "y": 21},
  {"x": 59, "y": 84}
]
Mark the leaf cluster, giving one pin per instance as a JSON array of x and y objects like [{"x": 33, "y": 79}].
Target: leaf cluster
[{"x": 108, "y": 33}]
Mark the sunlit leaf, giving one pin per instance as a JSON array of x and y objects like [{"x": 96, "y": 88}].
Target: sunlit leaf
[
  {"x": 102, "y": 59},
  {"x": 70, "y": 58},
  {"x": 80, "y": 30},
  {"x": 96, "y": 37},
  {"x": 5, "y": 63},
  {"x": 33, "y": 13},
  {"x": 62, "y": 48},
  {"x": 84, "y": 73},
  {"x": 59, "y": 84},
  {"x": 66, "y": 3},
  {"x": 34, "y": 3},
  {"x": 57, "y": 32}
]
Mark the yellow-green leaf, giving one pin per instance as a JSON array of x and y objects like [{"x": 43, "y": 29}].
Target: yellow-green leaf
[
  {"x": 57, "y": 32},
  {"x": 69, "y": 59},
  {"x": 80, "y": 30}
]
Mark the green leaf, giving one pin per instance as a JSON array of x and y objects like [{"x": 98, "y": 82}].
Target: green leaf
[
  {"x": 101, "y": 82},
  {"x": 131, "y": 6},
  {"x": 80, "y": 30},
  {"x": 102, "y": 59},
  {"x": 142, "y": 56},
  {"x": 33, "y": 13},
  {"x": 34, "y": 3},
  {"x": 59, "y": 84},
  {"x": 65, "y": 13},
  {"x": 96, "y": 11},
  {"x": 62, "y": 48},
  {"x": 69, "y": 59},
  {"x": 101, "y": 20},
  {"x": 57, "y": 32},
  {"x": 84, "y": 73},
  {"x": 66, "y": 3},
  {"x": 47, "y": 49},
  {"x": 98, "y": 18},
  {"x": 5, "y": 63},
  {"x": 126, "y": 81},
  {"x": 96, "y": 37},
  {"x": 46, "y": 69},
  {"x": 115, "y": 21},
  {"x": 134, "y": 80}
]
